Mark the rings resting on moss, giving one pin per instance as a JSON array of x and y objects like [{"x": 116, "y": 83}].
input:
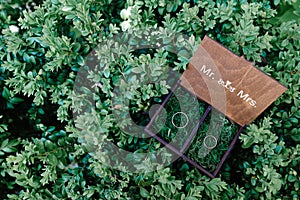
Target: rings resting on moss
[
  {"x": 185, "y": 115},
  {"x": 211, "y": 137}
]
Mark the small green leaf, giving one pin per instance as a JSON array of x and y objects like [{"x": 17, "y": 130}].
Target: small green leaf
[
  {"x": 80, "y": 60},
  {"x": 144, "y": 193},
  {"x": 184, "y": 167},
  {"x": 248, "y": 142},
  {"x": 55, "y": 2},
  {"x": 9, "y": 149},
  {"x": 285, "y": 115},
  {"x": 169, "y": 7},
  {"x": 50, "y": 129},
  {"x": 70, "y": 16},
  {"x": 137, "y": 70},
  {"x": 294, "y": 120},
  {"x": 41, "y": 111},
  {"x": 4, "y": 143},
  {"x": 16, "y": 100},
  {"x": 67, "y": 8},
  {"x": 14, "y": 142},
  {"x": 49, "y": 145},
  {"x": 76, "y": 47},
  {"x": 184, "y": 53},
  {"x": 52, "y": 159},
  {"x": 287, "y": 124},
  {"x": 253, "y": 181},
  {"x": 284, "y": 43},
  {"x": 5, "y": 93},
  {"x": 161, "y": 10},
  {"x": 291, "y": 178},
  {"x": 296, "y": 137},
  {"x": 106, "y": 73},
  {"x": 9, "y": 105},
  {"x": 259, "y": 189}
]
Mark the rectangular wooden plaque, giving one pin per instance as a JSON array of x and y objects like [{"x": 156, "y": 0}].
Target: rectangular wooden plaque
[{"x": 229, "y": 83}]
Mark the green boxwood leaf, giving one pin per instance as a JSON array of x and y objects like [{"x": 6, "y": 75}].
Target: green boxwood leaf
[
  {"x": 9, "y": 149},
  {"x": 5, "y": 93},
  {"x": 144, "y": 193},
  {"x": 67, "y": 8},
  {"x": 16, "y": 100}
]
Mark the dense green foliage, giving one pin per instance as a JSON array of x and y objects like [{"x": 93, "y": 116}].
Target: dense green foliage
[{"x": 42, "y": 49}]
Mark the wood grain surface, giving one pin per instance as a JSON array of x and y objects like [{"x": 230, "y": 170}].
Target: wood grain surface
[{"x": 229, "y": 83}]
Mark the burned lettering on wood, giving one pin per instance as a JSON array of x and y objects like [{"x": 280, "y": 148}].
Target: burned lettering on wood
[{"x": 229, "y": 83}]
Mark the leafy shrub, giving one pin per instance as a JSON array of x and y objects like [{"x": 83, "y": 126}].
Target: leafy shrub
[{"x": 43, "y": 47}]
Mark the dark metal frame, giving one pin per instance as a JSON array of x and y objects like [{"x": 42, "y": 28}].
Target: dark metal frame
[{"x": 179, "y": 152}]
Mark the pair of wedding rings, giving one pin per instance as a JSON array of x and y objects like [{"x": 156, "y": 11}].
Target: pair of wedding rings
[{"x": 209, "y": 141}]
